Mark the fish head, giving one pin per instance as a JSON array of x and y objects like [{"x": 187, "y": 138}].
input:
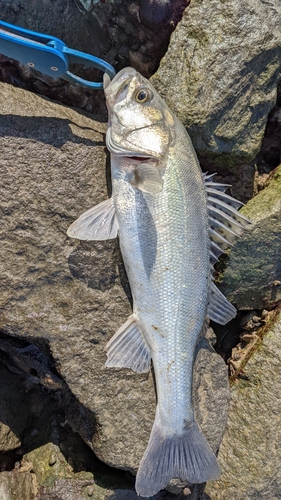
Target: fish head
[{"x": 140, "y": 124}]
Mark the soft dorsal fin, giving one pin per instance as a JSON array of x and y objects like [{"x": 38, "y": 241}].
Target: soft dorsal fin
[
  {"x": 128, "y": 349},
  {"x": 226, "y": 224},
  {"x": 98, "y": 223}
]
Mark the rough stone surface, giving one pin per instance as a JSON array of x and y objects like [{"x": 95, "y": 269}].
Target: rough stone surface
[
  {"x": 17, "y": 485},
  {"x": 8, "y": 440},
  {"x": 80, "y": 31},
  {"x": 252, "y": 279},
  {"x": 269, "y": 156},
  {"x": 220, "y": 75},
  {"x": 250, "y": 453},
  {"x": 65, "y": 299}
]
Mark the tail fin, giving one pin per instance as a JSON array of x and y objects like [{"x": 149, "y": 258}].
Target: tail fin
[{"x": 187, "y": 456}]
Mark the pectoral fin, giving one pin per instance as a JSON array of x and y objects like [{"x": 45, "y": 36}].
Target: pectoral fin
[
  {"x": 128, "y": 349},
  {"x": 98, "y": 223},
  {"x": 147, "y": 178}
]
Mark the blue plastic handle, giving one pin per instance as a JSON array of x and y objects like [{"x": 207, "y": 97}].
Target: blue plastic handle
[
  {"x": 48, "y": 54},
  {"x": 32, "y": 49}
]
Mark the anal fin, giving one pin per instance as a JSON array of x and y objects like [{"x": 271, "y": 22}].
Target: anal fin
[{"x": 128, "y": 349}]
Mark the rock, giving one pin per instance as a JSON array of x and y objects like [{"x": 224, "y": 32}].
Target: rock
[
  {"x": 8, "y": 440},
  {"x": 53, "y": 460},
  {"x": 155, "y": 13},
  {"x": 250, "y": 453},
  {"x": 269, "y": 156},
  {"x": 210, "y": 390},
  {"x": 61, "y": 300},
  {"x": 13, "y": 417},
  {"x": 16, "y": 485},
  {"x": 220, "y": 74},
  {"x": 252, "y": 279},
  {"x": 55, "y": 477}
]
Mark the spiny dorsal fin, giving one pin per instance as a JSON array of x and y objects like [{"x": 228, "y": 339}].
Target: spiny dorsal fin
[
  {"x": 128, "y": 349},
  {"x": 226, "y": 224},
  {"x": 98, "y": 223}
]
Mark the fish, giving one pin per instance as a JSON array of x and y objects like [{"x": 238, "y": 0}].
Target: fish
[{"x": 173, "y": 222}]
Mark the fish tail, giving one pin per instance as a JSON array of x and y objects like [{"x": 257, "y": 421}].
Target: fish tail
[{"x": 187, "y": 456}]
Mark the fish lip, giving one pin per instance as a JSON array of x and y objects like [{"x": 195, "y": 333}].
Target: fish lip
[
  {"x": 114, "y": 87},
  {"x": 140, "y": 156}
]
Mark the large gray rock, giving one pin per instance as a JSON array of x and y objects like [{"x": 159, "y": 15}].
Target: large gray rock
[
  {"x": 220, "y": 75},
  {"x": 250, "y": 453},
  {"x": 252, "y": 279},
  {"x": 68, "y": 298}
]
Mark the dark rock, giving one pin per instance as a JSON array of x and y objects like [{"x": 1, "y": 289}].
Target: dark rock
[
  {"x": 12, "y": 421},
  {"x": 62, "y": 20},
  {"x": 155, "y": 12},
  {"x": 269, "y": 156}
]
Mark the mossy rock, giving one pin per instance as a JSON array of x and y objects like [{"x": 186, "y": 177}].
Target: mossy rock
[{"x": 252, "y": 279}]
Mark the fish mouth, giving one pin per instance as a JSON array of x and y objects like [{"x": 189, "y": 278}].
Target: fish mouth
[
  {"x": 137, "y": 159},
  {"x": 118, "y": 83},
  {"x": 119, "y": 151}
]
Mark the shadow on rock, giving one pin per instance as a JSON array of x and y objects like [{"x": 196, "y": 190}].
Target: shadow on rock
[
  {"x": 49, "y": 130},
  {"x": 99, "y": 264}
]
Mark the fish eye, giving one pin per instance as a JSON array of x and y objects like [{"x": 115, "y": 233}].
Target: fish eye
[{"x": 143, "y": 95}]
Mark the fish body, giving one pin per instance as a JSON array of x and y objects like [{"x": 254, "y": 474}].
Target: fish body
[
  {"x": 165, "y": 247},
  {"x": 172, "y": 224}
]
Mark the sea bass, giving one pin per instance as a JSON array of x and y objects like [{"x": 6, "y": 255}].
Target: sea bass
[{"x": 173, "y": 222}]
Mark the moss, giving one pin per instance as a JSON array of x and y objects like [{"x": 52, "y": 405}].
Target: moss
[
  {"x": 267, "y": 201},
  {"x": 220, "y": 162},
  {"x": 49, "y": 464}
]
